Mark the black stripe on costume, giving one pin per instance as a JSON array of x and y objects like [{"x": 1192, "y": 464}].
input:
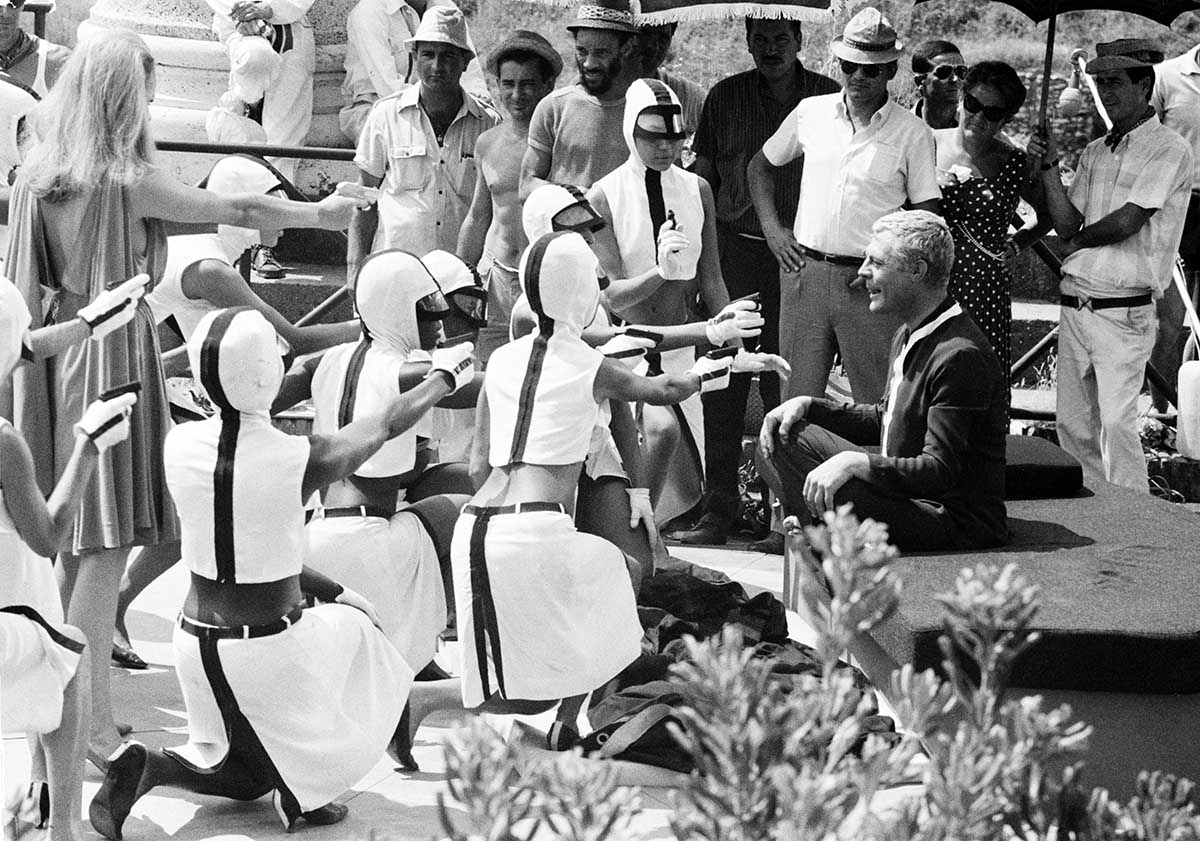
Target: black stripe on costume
[
  {"x": 210, "y": 378},
  {"x": 483, "y": 610},
  {"x": 350, "y": 384},
  {"x": 59, "y": 638},
  {"x": 223, "y": 553},
  {"x": 537, "y": 355},
  {"x": 662, "y": 95},
  {"x": 231, "y": 712}
]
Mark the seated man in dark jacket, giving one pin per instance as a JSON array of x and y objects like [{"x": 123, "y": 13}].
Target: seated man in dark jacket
[{"x": 938, "y": 480}]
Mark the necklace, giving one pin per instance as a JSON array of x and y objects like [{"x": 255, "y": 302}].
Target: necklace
[{"x": 22, "y": 47}]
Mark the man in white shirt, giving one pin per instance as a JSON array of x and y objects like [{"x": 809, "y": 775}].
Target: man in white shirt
[
  {"x": 377, "y": 62},
  {"x": 1120, "y": 222},
  {"x": 1176, "y": 99},
  {"x": 864, "y": 157},
  {"x": 418, "y": 146}
]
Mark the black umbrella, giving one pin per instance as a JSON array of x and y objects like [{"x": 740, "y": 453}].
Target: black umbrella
[{"x": 1162, "y": 11}]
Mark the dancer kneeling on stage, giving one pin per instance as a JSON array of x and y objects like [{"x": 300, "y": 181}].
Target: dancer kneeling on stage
[
  {"x": 547, "y": 612},
  {"x": 393, "y": 557},
  {"x": 47, "y": 684},
  {"x": 301, "y": 702}
]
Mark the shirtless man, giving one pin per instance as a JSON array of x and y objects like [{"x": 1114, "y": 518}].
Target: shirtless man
[{"x": 525, "y": 67}]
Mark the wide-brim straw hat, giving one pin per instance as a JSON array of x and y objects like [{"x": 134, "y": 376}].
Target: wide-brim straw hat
[
  {"x": 524, "y": 40},
  {"x": 868, "y": 39},
  {"x": 613, "y": 15},
  {"x": 442, "y": 25}
]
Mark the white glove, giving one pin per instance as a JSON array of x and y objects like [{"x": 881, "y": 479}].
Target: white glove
[
  {"x": 627, "y": 349},
  {"x": 738, "y": 320},
  {"x": 751, "y": 363},
  {"x": 640, "y": 510},
  {"x": 713, "y": 373},
  {"x": 113, "y": 308},
  {"x": 670, "y": 243},
  {"x": 352, "y": 599},
  {"x": 456, "y": 363},
  {"x": 106, "y": 422}
]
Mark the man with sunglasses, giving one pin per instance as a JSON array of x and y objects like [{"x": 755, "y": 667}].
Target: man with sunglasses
[
  {"x": 938, "y": 72},
  {"x": 32, "y": 61},
  {"x": 1120, "y": 221},
  {"x": 864, "y": 157}
]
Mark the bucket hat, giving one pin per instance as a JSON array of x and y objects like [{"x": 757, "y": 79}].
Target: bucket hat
[{"x": 867, "y": 39}]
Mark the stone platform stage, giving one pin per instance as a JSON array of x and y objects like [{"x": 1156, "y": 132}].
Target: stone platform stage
[{"x": 1120, "y": 623}]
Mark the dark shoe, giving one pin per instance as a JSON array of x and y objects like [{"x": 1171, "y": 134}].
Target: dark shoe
[
  {"x": 400, "y": 748},
  {"x": 126, "y": 657},
  {"x": 709, "y": 531},
  {"x": 772, "y": 544},
  {"x": 327, "y": 815},
  {"x": 432, "y": 671},
  {"x": 119, "y": 791},
  {"x": 262, "y": 260}
]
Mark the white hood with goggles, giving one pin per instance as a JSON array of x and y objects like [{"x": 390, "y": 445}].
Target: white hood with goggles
[
  {"x": 240, "y": 174},
  {"x": 652, "y": 112},
  {"x": 558, "y": 207},
  {"x": 558, "y": 277},
  {"x": 462, "y": 287},
  {"x": 238, "y": 358},
  {"x": 393, "y": 292}
]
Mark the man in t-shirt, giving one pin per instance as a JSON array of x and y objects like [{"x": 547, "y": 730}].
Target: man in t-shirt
[{"x": 575, "y": 136}]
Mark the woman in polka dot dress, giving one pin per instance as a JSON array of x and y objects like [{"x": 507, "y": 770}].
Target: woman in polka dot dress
[{"x": 983, "y": 178}]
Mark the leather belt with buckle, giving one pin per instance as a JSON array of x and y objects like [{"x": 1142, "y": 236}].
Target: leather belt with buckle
[
  {"x": 241, "y": 632},
  {"x": 1105, "y": 303},
  {"x": 352, "y": 511},
  {"x": 836, "y": 259}
]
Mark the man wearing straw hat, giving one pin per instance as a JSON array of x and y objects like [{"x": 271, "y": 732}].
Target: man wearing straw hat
[
  {"x": 525, "y": 67},
  {"x": 575, "y": 136},
  {"x": 1120, "y": 222},
  {"x": 864, "y": 157},
  {"x": 418, "y": 146}
]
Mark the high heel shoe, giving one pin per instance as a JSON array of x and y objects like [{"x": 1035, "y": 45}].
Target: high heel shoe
[
  {"x": 119, "y": 791},
  {"x": 400, "y": 748},
  {"x": 124, "y": 656}
]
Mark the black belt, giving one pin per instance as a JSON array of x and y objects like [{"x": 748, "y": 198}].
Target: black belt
[
  {"x": 516, "y": 508},
  {"x": 1105, "y": 303},
  {"x": 836, "y": 259},
  {"x": 352, "y": 511},
  {"x": 241, "y": 632}
]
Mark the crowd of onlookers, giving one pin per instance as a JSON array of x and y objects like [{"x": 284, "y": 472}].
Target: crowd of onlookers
[{"x": 563, "y": 296}]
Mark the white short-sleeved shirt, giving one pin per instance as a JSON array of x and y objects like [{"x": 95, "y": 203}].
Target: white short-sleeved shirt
[
  {"x": 852, "y": 178},
  {"x": 427, "y": 186},
  {"x": 1176, "y": 98},
  {"x": 1152, "y": 168}
]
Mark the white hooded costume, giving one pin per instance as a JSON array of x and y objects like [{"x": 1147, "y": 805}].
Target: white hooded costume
[
  {"x": 546, "y": 612},
  {"x": 321, "y": 688},
  {"x": 639, "y": 199},
  {"x": 390, "y": 557},
  {"x": 39, "y": 652}
]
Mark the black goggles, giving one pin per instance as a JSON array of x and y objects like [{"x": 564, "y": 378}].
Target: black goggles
[
  {"x": 659, "y": 122},
  {"x": 432, "y": 307},
  {"x": 849, "y": 68},
  {"x": 994, "y": 113},
  {"x": 470, "y": 304},
  {"x": 578, "y": 217}
]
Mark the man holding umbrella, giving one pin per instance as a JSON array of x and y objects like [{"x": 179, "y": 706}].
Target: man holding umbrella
[{"x": 1120, "y": 222}]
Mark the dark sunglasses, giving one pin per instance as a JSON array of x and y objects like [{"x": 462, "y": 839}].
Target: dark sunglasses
[
  {"x": 868, "y": 70},
  {"x": 943, "y": 73},
  {"x": 994, "y": 113}
]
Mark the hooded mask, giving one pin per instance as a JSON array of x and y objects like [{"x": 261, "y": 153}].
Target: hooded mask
[
  {"x": 464, "y": 291},
  {"x": 558, "y": 207},
  {"x": 236, "y": 354},
  {"x": 652, "y": 112},
  {"x": 14, "y": 329},
  {"x": 16, "y": 101},
  {"x": 238, "y": 174},
  {"x": 558, "y": 276},
  {"x": 393, "y": 292}
]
